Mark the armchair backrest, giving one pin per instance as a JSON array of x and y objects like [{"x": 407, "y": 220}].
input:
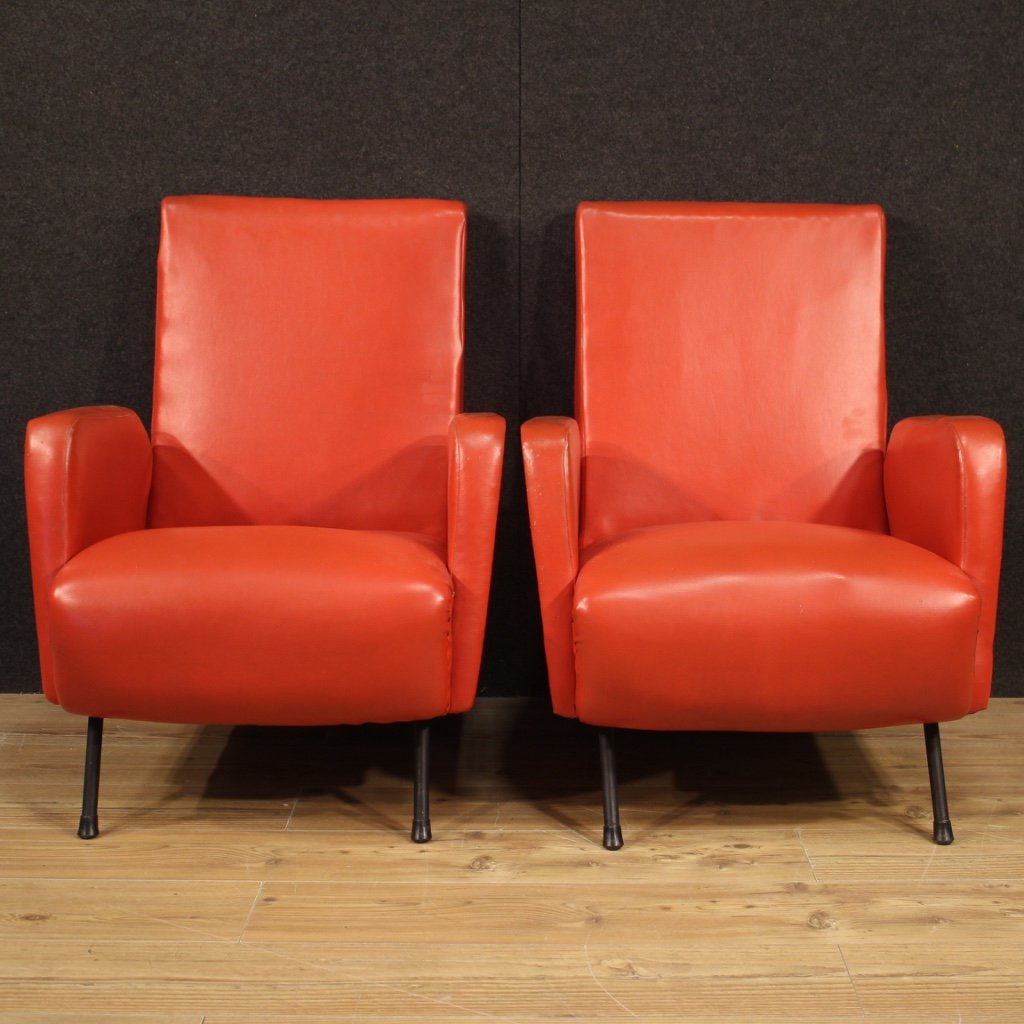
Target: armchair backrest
[
  {"x": 308, "y": 362},
  {"x": 730, "y": 364}
]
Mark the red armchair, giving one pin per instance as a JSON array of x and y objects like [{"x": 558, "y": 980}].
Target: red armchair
[
  {"x": 723, "y": 540},
  {"x": 307, "y": 536}
]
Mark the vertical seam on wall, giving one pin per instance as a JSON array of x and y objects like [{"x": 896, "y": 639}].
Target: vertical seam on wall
[{"x": 519, "y": 219}]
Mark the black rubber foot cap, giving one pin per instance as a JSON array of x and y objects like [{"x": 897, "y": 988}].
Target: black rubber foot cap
[
  {"x": 421, "y": 831},
  {"x": 943, "y": 832},
  {"x": 87, "y": 828},
  {"x": 613, "y": 838}
]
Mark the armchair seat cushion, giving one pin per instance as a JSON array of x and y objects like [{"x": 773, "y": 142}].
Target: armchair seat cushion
[
  {"x": 770, "y": 626},
  {"x": 285, "y": 625}
]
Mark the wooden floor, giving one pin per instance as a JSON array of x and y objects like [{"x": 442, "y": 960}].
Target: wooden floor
[{"x": 254, "y": 875}]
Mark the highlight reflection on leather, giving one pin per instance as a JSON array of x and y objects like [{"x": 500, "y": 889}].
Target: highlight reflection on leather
[
  {"x": 712, "y": 531},
  {"x": 309, "y": 536}
]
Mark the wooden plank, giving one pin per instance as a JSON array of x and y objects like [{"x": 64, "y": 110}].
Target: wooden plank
[
  {"x": 44, "y": 910},
  {"x": 650, "y": 811},
  {"x": 394, "y": 981},
  {"x": 477, "y": 857},
  {"x": 838, "y": 914},
  {"x": 979, "y": 981},
  {"x": 190, "y": 814},
  {"x": 99, "y": 1017},
  {"x": 981, "y": 852},
  {"x": 655, "y": 982}
]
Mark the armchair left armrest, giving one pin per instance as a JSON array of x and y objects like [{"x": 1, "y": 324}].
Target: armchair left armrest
[
  {"x": 476, "y": 449},
  {"x": 553, "y": 466},
  {"x": 945, "y": 490},
  {"x": 87, "y": 476}
]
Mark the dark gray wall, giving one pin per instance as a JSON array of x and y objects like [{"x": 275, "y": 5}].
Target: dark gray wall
[{"x": 520, "y": 109}]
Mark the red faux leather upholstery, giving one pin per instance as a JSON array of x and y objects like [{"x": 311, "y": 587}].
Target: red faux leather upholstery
[
  {"x": 308, "y": 362},
  {"x": 308, "y": 538},
  {"x": 295, "y": 625},
  {"x": 775, "y": 626},
  {"x": 87, "y": 476},
  {"x": 730, "y": 364},
  {"x": 723, "y": 541},
  {"x": 945, "y": 488}
]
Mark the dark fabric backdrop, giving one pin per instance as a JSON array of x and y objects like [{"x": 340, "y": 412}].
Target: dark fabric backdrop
[{"x": 521, "y": 109}]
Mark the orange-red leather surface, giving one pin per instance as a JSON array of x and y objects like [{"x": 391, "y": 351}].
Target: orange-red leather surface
[
  {"x": 87, "y": 475},
  {"x": 261, "y": 625},
  {"x": 354, "y": 432},
  {"x": 729, "y": 364},
  {"x": 771, "y": 626},
  {"x": 551, "y": 459},
  {"x": 945, "y": 488},
  {"x": 476, "y": 446}
]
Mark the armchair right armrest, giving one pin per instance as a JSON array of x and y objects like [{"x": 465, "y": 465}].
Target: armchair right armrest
[
  {"x": 945, "y": 490},
  {"x": 476, "y": 450}
]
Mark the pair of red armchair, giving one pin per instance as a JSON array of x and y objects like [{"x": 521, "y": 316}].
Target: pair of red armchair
[{"x": 723, "y": 539}]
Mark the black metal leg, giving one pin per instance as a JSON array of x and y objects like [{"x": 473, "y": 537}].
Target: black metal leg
[
  {"x": 942, "y": 830},
  {"x": 88, "y": 825},
  {"x": 612, "y": 829},
  {"x": 421, "y": 785}
]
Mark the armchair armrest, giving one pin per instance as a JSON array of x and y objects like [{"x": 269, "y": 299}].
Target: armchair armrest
[
  {"x": 551, "y": 458},
  {"x": 945, "y": 490},
  {"x": 87, "y": 474},
  {"x": 476, "y": 449}
]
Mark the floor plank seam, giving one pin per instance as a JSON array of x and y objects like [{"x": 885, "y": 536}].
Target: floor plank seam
[
  {"x": 927, "y": 866},
  {"x": 252, "y": 909},
  {"x": 597, "y": 982},
  {"x": 810, "y": 863},
  {"x": 291, "y": 813},
  {"x": 853, "y": 983}
]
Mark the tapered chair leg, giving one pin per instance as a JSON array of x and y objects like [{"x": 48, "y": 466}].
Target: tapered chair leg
[
  {"x": 88, "y": 824},
  {"x": 609, "y": 788},
  {"x": 421, "y": 785},
  {"x": 942, "y": 830}
]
